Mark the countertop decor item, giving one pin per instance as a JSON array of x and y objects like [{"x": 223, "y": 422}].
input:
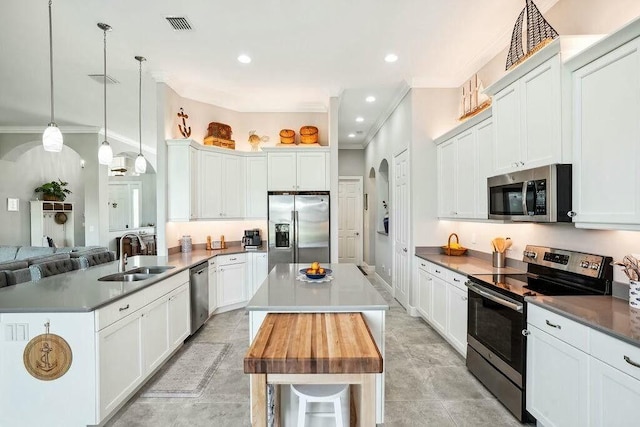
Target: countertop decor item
[
  {"x": 539, "y": 34},
  {"x": 184, "y": 130},
  {"x": 54, "y": 190},
  {"x": 105, "y": 153},
  {"x": 308, "y": 134},
  {"x": 141, "y": 162},
  {"x": 47, "y": 356},
  {"x": 453, "y": 248},
  {"x": 51, "y": 137}
]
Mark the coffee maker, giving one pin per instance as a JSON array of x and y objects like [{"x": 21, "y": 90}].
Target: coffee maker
[{"x": 252, "y": 239}]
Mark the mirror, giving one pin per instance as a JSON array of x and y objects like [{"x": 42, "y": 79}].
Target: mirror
[{"x": 132, "y": 197}]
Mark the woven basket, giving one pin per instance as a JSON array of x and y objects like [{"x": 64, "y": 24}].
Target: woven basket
[
  {"x": 287, "y": 136},
  {"x": 448, "y": 250},
  {"x": 219, "y": 142},
  {"x": 219, "y": 130},
  {"x": 308, "y": 134}
]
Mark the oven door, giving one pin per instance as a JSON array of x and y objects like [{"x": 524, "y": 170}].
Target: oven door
[
  {"x": 494, "y": 328},
  {"x": 508, "y": 201}
]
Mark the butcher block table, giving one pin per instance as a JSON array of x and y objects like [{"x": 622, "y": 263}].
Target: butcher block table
[{"x": 314, "y": 348}]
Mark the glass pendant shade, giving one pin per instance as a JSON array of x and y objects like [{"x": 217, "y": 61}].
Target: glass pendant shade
[
  {"x": 141, "y": 164},
  {"x": 105, "y": 154},
  {"x": 52, "y": 139}
]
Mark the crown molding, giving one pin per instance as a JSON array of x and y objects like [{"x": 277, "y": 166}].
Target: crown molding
[{"x": 40, "y": 129}]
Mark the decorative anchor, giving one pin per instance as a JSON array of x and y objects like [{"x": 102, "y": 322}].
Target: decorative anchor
[
  {"x": 45, "y": 363},
  {"x": 186, "y": 132}
]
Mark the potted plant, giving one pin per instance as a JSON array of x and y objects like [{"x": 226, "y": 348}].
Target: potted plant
[
  {"x": 54, "y": 190},
  {"x": 385, "y": 218}
]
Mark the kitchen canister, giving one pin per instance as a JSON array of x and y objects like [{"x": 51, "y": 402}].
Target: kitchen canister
[
  {"x": 498, "y": 260},
  {"x": 634, "y": 294},
  {"x": 185, "y": 244}
]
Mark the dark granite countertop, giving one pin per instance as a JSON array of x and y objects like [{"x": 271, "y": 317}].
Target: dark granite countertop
[
  {"x": 465, "y": 264},
  {"x": 612, "y": 316}
]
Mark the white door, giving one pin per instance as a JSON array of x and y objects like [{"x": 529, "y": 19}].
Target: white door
[
  {"x": 210, "y": 185},
  {"x": 256, "y": 185},
  {"x": 233, "y": 192},
  {"x": 484, "y": 141},
  {"x": 506, "y": 122},
  {"x": 119, "y": 207},
  {"x": 447, "y": 179},
  {"x": 155, "y": 341},
  {"x": 179, "y": 316},
  {"x": 465, "y": 174},
  {"x": 350, "y": 219},
  {"x": 311, "y": 171},
  {"x": 614, "y": 396},
  {"x": 400, "y": 227},
  {"x": 425, "y": 293},
  {"x": 282, "y": 171},
  {"x": 231, "y": 284},
  {"x": 457, "y": 318}
]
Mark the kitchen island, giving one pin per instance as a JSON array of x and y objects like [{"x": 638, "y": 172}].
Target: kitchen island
[{"x": 348, "y": 292}]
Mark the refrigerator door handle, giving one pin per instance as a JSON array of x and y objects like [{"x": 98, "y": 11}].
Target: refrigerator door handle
[
  {"x": 297, "y": 232},
  {"x": 294, "y": 237}
]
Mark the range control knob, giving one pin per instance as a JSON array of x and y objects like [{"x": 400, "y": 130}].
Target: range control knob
[
  {"x": 585, "y": 264},
  {"x": 530, "y": 254}
]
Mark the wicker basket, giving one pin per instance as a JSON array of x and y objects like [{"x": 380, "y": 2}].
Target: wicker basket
[
  {"x": 219, "y": 130},
  {"x": 308, "y": 134},
  {"x": 219, "y": 142},
  {"x": 287, "y": 136},
  {"x": 448, "y": 250}
]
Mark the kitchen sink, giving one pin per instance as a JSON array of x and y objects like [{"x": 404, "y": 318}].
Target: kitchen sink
[{"x": 136, "y": 274}]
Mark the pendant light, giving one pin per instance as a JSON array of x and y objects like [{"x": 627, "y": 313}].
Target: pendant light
[
  {"x": 52, "y": 137},
  {"x": 105, "y": 154},
  {"x": 141, "y": 162}
]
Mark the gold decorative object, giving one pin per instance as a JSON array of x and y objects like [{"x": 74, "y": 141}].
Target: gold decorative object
[
  {"x": 287, "y": 136},
  {"x": 186, "y": 132},
  {"x": 48, "y": 356},
  {"x": 308, "y": 134}
]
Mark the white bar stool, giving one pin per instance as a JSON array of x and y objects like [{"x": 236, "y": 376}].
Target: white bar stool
[{"x": 312, "y": 393}]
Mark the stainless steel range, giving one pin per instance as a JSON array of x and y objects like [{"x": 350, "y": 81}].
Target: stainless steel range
[{"x": 496, "y": 351}]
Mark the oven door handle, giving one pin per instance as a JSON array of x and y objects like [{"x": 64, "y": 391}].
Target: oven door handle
[
  {"x": 525, "y": 210},
  {"x": 495, "y": 298}
]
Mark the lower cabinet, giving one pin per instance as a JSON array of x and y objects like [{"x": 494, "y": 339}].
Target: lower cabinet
[
  {"x": 231, "y": 280},
  {"x": 614, "y": 396},
  {"x": 442, "y": 302},
  {"x": 259, "y": 270},
  {"x": 156, "y": 337},
  {"x": 179, "y": 324}
]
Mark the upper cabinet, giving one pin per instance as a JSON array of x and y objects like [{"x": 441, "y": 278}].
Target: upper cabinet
[
  {"x": 606, "y": 132},
  {"x": 256, "y": 205},
  {"x": 464, "y": 163},
  {"x": 303, "y": 169},
  {"x": 221, "y": 185},
  {"x": 527, "y": 117},
  {"x": 182, "y": 183}
]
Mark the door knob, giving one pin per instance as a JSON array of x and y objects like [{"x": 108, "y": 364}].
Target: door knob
[
  {"x": 404, "y": 249},
  {"x": 357, "y": 234}
]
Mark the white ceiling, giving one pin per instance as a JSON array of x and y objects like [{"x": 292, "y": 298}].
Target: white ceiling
[{"x": 303, "y": 52}]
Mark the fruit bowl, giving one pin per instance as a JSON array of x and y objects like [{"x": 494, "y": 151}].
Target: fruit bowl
[{"x": 316, "y": 276}]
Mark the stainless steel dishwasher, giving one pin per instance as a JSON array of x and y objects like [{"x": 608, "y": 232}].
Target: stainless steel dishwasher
[{"x": 199, "y": 286}]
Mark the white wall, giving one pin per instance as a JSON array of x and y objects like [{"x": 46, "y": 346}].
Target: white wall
[{"x": 351, "y": 162}]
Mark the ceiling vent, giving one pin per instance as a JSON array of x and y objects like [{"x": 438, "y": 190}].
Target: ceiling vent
[
  {"x": 179, "y": 23},
  {"x": 100, "y": 78}
]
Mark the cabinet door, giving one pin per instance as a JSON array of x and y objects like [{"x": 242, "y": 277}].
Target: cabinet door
[
  {"x": 614, "y": 396},
  {"x": 606, "y": 132},
  {"x": 282, "y": 171},
  {"x": 484, "y": 141},
  {"x": 155, "y": 334},
  {"x": 120, "y": 361},
  {"x": 439, "y": 305},
  {"x": 179, "y": 316},
  {"x": 179, "y": 180},
  {"x": 260, "y": 270},
  {"x": 194, "y": 189},
  {"x": 541, "y": 117},
  {"x": 466, "y": 173},
  {"x": 506, "y": 123},
  {"x": 233, "y": 191},
  {"x": 425, "y": 293},
  {"x": 256, "y": 187},
  {"x": 457, "y": 318},
  {"x": 213, "y": 287},
  {"x": 311, "y": 171},
  {"x": 231, "y": 284},
  {"x": 557, "y": 381},
  {"x": 447, "y": 179},
  {"x": 210, "y": 193}
]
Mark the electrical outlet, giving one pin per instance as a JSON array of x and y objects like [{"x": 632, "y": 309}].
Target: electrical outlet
[{"x": 473, "y": 238}]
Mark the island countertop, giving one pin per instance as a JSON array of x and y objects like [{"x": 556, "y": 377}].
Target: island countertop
[{"x": 348, "y": 291}]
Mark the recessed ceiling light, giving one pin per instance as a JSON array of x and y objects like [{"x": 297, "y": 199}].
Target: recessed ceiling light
[
  {"x": 245, "y": 59},
  {"x": 370, "y": 98},
  {"x": 359, "y": 119},
  {"x": 391, "y": 57},
  {"x": 352, "y": 135}
]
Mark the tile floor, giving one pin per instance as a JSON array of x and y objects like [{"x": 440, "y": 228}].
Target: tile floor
[{"x": 427, "y": 383}]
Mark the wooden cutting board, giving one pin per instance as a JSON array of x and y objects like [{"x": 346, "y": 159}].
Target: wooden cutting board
[{"x": 313, "y": 343}]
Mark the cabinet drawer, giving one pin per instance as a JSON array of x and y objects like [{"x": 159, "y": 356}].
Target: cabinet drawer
[
  {"x": 617, "y": 353},
  {"x": 458, "y": 280},
  {"x": 573, "y": 333},
  {"x": 438, "y": 271},
  {"x": 231, "y": 259},
  {"x": 422, "y": 264}
]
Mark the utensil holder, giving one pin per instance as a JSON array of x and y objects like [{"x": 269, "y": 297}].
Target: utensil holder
[{"x": 498, "y": 260}]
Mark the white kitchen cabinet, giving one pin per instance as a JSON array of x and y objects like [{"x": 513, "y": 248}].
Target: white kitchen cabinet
[
  {"x": 182, "y": 182},
  {"x": 260, "y": 270},
  {"x": 221, "y": 185},
  {"x": 439, "y": 305},
  {"x": 231, "y": 280},
  {"x": 179, "y": 305},
  {"x": 464, "y": 163},
  {"x": 614, "y": 396},
  {"x": 213, "y": 286},
  {"x": 606, "y": 135},
  {"x": 155, "y": 323},
  {"x": 120, "y": 363},
  {"x": 256, "y": 187},
  {"x": 425, "y": 290},
  {"x": 527, "y": 119},
  {"x": 457, "y": 318},
  {"x": 298, "y": 170},
  {"x": 557, "y": 381}
]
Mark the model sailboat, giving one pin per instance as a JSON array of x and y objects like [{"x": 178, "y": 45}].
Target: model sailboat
[
  {"x": 473, "y": 98},
  {"x": 539, "y": 34}
]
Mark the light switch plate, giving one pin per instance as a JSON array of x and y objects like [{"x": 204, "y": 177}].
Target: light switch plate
[{"x": 13, "y": 204}]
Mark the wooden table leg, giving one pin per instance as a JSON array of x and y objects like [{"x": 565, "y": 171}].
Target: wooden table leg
[
  {"x": 259, "y": 400},
  {"x": 367, "y": 415}
]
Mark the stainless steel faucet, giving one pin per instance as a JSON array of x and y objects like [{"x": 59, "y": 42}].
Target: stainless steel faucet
[{"x": 122, "y": 262}]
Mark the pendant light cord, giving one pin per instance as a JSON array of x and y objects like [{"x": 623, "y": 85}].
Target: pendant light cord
[
  {"x": 140, "y": 105},
  {"x": 51, "y": 58},
  {"x": 105, "y": 85}
]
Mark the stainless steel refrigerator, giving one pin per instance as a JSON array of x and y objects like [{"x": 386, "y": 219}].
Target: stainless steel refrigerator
[{"x": 298, "y": 228}]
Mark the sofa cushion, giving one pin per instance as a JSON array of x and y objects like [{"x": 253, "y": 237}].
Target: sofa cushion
[
  {"x": 51, "y": 268},
  {"x": 64, "y": 250},
  {"x": 96, "y": 258},
  {"x": 18, "y": 276},
  {"x": 3, "y": 279},
  {"x": 8, "y": 253},
  {"x": 33, "y": 251},
  {"x": 78, "y": 252},
  {"x": 47, "y": 258},
  {"x": 13, "y": 265}
]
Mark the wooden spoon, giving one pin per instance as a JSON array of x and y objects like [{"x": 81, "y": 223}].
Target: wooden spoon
[
  {"x": 499, "y": 242},
  {"x": 507, "y": 243}
]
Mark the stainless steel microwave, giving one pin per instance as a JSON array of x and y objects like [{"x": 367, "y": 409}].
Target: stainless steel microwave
[{"x": 534, "y": 195}]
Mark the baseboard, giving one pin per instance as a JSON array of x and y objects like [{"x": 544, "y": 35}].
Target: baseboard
[
  {"x": 231, "y": 307},
  {"x": 385, "y": 284},
  {"x": 370, "y": 269},
  {"x": 413, "y": 312}
]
